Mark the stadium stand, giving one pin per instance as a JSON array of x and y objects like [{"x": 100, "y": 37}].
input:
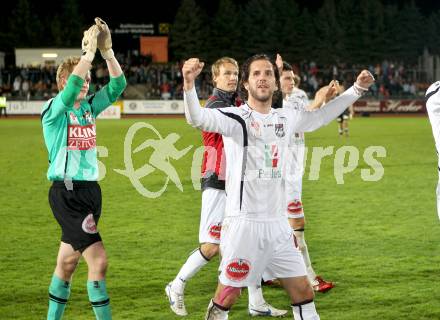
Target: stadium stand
[{"x": 147, "y": 80}]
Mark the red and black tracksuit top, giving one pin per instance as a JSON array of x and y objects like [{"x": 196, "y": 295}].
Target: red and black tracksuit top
[{"x": 214, "y": 160}]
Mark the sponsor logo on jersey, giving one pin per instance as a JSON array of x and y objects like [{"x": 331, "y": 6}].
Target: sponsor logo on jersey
[
  {"x": 238, "y": 269},
  {"x": 269, "y": 173},
  {"x": 271, "y": 155},
  {"x": 271, "y": 162},
  {"x": 215, "y": 231},
  {"x": 81, "y": 137},
  {"x": 89, "y": 225},
  {"x": 279, "y": 130}
]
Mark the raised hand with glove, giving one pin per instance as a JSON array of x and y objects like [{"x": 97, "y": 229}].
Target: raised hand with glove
[
  {"x": 104, "y": 39},
  {"x": 89, "y": 43}
]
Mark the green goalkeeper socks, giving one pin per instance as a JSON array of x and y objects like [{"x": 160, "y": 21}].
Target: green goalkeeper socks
[
  {"x": 59, "y": 291},
  {"x": 99, "y": 299}
]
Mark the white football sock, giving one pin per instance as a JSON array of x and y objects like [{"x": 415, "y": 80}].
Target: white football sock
[
  {"x": 255, "y": 296},
  {"x": 216, "y": 312},
  {"x": 192, "y": 265},
  {"x": 306, "y": 311}
]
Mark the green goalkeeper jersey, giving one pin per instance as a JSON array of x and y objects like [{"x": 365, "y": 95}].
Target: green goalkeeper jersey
[{"x": 70, "y": 133}]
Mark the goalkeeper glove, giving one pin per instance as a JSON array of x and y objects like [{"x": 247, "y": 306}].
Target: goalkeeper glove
[
  {"x": 104, "y": 39},
  {"x": 89, "y": 43}
]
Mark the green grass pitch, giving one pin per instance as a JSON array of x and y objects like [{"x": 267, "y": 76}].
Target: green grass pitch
[{"x": 379, "y": 241}]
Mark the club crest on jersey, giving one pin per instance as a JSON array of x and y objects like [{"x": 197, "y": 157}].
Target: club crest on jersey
[
  {"x": 89, "y": 225},
  {"x": 215, "y": 231},
  {"x": 238, "y": 269},
  {"x": 88, "y": 117}
]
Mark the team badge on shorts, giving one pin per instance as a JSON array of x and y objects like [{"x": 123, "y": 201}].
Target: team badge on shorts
[
  {"x": 89, "y": 225},
  {"x": 215, "y": 231},
  {"x": 238, "y": 269}
]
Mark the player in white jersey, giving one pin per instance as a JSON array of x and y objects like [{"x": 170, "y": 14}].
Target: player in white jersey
[
  {"x": 433, "y": 107},
  {"x": 295, "y": 210},
  {"x": 225, "y": 80},
  {"x": 296, "y": 91},
  {"x": 256, "y": 235}
]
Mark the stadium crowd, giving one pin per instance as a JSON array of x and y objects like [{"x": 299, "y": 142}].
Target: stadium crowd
[{"x": 147, "y": 80}]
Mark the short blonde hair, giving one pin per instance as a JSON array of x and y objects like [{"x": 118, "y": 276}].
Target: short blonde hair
[
  {"x": 215, "y": 68},
  {"x": 65, "y": 69}
]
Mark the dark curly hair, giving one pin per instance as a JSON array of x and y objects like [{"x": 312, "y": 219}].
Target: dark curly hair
[{"x": 245, "y": 70}]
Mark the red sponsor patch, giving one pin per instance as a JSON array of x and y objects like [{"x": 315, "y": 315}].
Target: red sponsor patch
[
  {"x": 81, "y": 137},
  {"x": 215, "y": 231},
  {"x": 89, "y": 225},
  {"x": 238, "y": 269},
  {"x": 295, "y": 207}
]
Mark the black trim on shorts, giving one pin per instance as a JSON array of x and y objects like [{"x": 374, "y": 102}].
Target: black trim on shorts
[{"x": 245, "y": 144}]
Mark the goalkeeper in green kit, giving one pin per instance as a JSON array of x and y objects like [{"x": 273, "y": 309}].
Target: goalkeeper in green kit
[{"x": 75, "y": 197}]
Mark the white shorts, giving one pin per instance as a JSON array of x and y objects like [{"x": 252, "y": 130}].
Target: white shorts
[
  {"x": 249, "y": 248},
  {"x": 212, "y": 214}
]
